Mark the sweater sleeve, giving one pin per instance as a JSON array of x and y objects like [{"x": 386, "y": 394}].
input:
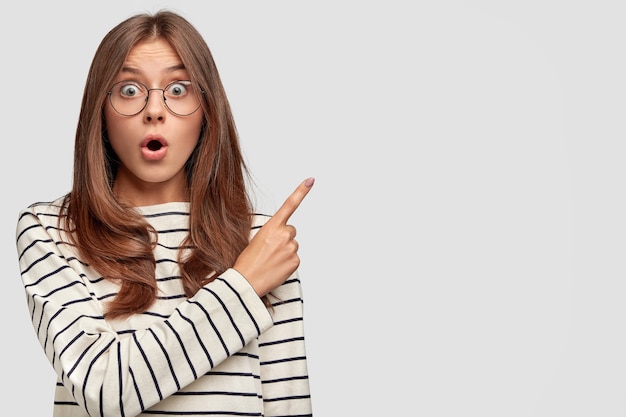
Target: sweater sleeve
[
  {"x": 284, "y": 375},
  {"x": 123, "y": 374}
]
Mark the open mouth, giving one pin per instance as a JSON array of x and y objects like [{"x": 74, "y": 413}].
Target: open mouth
[{"x": 154, "y": 145}]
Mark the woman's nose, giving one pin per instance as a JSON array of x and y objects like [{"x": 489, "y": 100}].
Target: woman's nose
[{"x": 155, "y": 107}]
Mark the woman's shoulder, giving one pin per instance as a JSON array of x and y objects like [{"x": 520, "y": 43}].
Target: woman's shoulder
[
  {"x": 40, "y": 214},
  {"x": 45, "y": 208}
]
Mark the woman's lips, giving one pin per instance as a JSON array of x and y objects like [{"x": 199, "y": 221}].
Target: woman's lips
[{"x": 153, "y": 147}]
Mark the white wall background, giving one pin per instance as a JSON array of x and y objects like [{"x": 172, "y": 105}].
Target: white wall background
[{"x": 463, "y": 248}]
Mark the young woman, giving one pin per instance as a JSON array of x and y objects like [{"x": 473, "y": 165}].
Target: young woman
[{"x": 152, "y": 286}]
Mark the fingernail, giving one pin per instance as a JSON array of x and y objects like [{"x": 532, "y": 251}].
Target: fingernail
[{"x": 309, "y": 182}]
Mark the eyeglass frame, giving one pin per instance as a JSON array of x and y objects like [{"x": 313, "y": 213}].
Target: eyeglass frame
[{"x": 148, "y": 90}]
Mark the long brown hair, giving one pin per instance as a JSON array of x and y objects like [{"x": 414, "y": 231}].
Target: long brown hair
[{"x": 114, "y": 239}]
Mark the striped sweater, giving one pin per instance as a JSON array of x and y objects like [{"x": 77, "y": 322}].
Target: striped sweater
[{"x": 218, "y": 353}]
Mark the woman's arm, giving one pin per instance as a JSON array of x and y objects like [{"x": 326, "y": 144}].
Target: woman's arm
[{"x": 284, "y": 374}]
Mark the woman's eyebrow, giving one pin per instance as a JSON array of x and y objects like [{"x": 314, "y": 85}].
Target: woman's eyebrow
[
  {"x": 130, "y": 70},
  {"x": 173, "y": 68}
]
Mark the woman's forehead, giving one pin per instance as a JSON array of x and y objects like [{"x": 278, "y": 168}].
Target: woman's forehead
[{"x": 153, "y": 53}]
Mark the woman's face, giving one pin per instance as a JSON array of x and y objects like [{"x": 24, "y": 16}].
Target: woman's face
[{"x": 154, "y": 144}]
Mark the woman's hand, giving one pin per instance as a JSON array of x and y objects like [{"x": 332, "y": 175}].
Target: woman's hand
[{"x": 272, "y": 255}]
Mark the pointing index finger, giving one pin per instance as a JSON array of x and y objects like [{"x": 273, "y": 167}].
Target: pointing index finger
[{"x": 293, "y": 201}]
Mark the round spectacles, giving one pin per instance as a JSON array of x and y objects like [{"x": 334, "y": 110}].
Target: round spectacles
[{"x": 129, "y": 98}]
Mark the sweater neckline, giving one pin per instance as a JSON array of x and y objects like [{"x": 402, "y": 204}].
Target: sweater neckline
[{"x": 163, "y": 207}]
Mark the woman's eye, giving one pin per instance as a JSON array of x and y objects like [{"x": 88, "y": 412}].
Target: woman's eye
[
  {"x": 129, "y": 90},
  {"x": 177, "y": 89}
]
